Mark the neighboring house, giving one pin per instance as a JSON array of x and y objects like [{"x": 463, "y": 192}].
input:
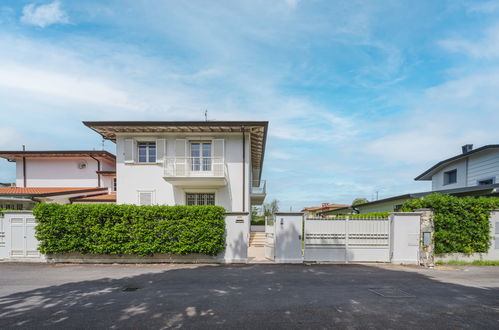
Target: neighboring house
[
  {"x": 474, "y": 172},
  {"x": 57, "y": 176},
  {"x": 189, "y": 162},
  {"x": 479, "y": 167},
  {"x": 313, "y": 211}
]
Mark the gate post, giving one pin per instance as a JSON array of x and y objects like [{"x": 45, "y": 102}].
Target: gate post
[{"x": 426, "y": 241}]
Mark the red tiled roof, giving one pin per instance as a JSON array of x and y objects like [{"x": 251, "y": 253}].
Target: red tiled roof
[
  {"x": 324, "y": 207},
  {"x": 46, "y": 191},
  {"x": 96, "y": 198}
]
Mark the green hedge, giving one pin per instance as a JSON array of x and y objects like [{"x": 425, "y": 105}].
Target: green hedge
[
  {"x": 130, "y": 229},
  {"x": 461, "y": 223}
]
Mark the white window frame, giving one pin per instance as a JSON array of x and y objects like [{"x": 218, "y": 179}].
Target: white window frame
[
  {"x": 137, "y": 147},
  {"x": 201, "y": 157},
  {"x": 153, "y": 195}
]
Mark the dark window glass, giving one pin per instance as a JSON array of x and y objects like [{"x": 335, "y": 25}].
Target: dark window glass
[
  {"x": 147, "y": 152},
  {"x": 450, "y": 177}
]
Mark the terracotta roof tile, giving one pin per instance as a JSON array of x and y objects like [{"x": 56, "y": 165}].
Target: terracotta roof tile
[{"x": 46, "y": 191}]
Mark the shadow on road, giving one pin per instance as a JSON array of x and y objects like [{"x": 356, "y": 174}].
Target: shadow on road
[{"x": 255, "y": 296}]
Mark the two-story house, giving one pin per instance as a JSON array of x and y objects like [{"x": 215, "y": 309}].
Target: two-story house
[
  {"x": 60, "y": 176},
  {"x": 188, "y": 162},
  {"x": 478, "y": 168}
]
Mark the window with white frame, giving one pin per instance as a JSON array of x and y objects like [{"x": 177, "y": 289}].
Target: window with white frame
[
  {"x": 146, "y": 152},
  {"x": 200, "y": 199},
  {"x": 201, "y": 156}
]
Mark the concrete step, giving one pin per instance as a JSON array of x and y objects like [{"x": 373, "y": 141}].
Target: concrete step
[{"x": 257, "y": 239}]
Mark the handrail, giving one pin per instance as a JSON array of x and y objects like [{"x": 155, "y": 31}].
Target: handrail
[{"x": 194, "y": 167}]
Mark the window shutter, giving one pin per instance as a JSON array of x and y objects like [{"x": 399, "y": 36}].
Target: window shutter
[
  {"x": 180, "y": 157},
  {"x": 160, "y": 150},
  {"x": 218, "y": 148},
  {"x": 129, "y": 150},
  {"x": 145, "y": 198},
  {"x": 218, "y": 157}
]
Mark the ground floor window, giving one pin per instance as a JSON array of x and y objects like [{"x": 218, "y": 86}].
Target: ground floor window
[{"x": 200, "y": 198}]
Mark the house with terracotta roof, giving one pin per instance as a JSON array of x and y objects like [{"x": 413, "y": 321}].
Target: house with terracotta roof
[
  {"x": 313, "y": 211},
  {"x": 58, "y": 176}
]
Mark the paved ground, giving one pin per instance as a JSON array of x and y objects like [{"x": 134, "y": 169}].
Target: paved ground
[{"x": 247, "y": 296}]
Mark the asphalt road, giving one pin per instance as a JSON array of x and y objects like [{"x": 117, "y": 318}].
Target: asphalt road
[{"x": 247, "y": 296}]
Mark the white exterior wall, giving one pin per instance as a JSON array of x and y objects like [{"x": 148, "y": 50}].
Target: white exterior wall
[
  {"x": 482, "y": 166},
  {"x": 438, "y": 178},
  {"x": 133, "y": 177},
  {"x": 57, "y": 172}
]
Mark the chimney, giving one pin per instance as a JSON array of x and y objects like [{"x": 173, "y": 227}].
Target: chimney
[
  {"x": 467, "y": 148},
  {"x": 325, "y": 204}
]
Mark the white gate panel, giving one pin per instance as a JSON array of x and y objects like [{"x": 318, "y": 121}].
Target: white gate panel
[
  {"x": 347, "y": 240},
  {"x": 288, "y": 237},
  {"x": 270, "y": 238},
  {"x": 20, "y": 241}
]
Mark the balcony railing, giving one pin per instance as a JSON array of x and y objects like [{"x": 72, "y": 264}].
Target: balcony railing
[
  {"x": 194, "y": 167},
  {"x": 259, "y": 187}
]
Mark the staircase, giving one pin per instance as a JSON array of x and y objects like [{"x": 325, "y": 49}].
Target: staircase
[{"x": 257, "y": 239}]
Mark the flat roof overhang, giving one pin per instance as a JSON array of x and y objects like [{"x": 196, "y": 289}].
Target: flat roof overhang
[{"x": 257, "y": 130}]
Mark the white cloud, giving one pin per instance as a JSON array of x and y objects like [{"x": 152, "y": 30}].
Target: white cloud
[
  {"x": 486, "y": 47},
  {"x": 44, "y": 15},
  {"x": 486, "y": 7}
]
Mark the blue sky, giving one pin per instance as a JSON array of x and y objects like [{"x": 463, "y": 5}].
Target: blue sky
[{"x": 361, "y": 96}]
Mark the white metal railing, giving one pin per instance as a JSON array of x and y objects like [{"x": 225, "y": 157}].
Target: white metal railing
[
  {"x": 194, "y": 167},
  {"x": 259, "y": 187}
]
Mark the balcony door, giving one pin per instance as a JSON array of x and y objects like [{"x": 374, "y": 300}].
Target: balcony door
[{"x": 201, "y": 156}]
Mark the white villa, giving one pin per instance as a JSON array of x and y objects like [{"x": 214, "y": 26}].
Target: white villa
[{"x": 188, "y": 163}]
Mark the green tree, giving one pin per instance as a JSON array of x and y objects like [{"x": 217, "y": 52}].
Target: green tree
[{"x": 358, "y": 201}]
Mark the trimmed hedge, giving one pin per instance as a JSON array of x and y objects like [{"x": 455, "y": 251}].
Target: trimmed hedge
[
  {"x": 461, "y": 223},
  {"x": 130, "y": 229}
]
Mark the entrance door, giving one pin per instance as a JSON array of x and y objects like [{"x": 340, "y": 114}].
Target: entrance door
[{"x": 22, "y": 237}]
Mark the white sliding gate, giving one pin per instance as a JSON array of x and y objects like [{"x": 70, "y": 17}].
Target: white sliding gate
[
  {"x": 19, "y": 242},
  {"x": 347, "y": 240}
]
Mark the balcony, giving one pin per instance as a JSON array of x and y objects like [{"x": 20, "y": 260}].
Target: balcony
[
  {"x": 258, "y": 191},
  {"x": 195, "y": 171}
]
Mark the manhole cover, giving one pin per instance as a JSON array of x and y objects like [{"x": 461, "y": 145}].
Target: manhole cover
[
  {"x": 130, "y": 289},
  {"x": 391, "y": 293}
]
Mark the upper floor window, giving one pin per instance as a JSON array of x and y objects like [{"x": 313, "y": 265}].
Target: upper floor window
[
  {"x": 201, "y": 156},
  {"x": 146, "y": 152},
  {"x": 450, "y": 177},
  {"x": 486, "y": 181}
]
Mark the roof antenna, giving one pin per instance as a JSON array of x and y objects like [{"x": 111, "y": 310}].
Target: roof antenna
[
  {"x": 103, "y": 140},
  {"x": 24, "y": 147},
  {"x": 206, "y": 115}
]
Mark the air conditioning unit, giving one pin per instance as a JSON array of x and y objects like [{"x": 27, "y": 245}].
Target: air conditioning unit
[{"x": 82, "y": 165}]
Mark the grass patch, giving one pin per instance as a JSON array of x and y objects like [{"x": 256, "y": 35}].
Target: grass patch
[{"x": 466, "y": 263}]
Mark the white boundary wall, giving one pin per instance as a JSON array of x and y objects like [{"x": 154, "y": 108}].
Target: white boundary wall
[{"x": 16, "y": 225}]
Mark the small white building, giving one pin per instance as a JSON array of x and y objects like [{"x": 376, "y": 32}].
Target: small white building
[
  {"x": 57, "y": 176},
  {"x": 188, "y": 163}
]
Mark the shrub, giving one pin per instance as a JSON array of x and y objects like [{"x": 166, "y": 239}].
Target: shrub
[
  {"x": 129, "y": 229},
  {"x": 461, "y": 223}
]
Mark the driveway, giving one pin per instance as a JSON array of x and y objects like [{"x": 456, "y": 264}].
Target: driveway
[{"x": 247, "y": 296}]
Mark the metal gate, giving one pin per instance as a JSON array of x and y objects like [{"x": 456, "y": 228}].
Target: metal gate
[{"x": 347, "y": 240}]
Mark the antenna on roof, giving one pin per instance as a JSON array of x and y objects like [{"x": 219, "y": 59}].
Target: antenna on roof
[
  {"x": 103, "y": 140},
  {"x": 24, "y": 147},
  {"x": 206, "y": 115}
]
